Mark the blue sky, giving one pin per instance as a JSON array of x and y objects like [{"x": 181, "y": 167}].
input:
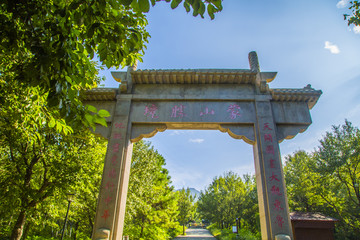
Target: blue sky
[{"x": 306, "y": 42}]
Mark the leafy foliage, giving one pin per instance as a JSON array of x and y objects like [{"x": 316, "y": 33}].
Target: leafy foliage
[
  {"x": 327, "y": 180},
  {"x": 354, "y": 18},
  {"x": 186, "y": 207},
  {"x": 229, "y": 197},
  {"x": 37, "y": 161},
  {"x": 151, "y": 208},
  {"x": 300, "y": 180},
  {"x": 227, "y": 234},
  {"x": 51, "y": 44}
]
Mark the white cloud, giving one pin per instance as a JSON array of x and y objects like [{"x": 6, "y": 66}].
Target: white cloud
[
  {"x": 196, "y": 140},
  {"x": 175, "y": 132},
  {"x": 180, "y": 132},
  {"x": 356, "y": 29},
  {"x": 342, "y": 3},
  {"x": 332, "y": 47}
]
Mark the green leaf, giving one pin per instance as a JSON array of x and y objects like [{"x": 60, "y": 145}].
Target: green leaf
[
  {"x": 210, "y": 10},
  {"x": 144, "y": 5},
  {"x": 91, "y": 108},
  {"x": 218, "y": 4},
  {"x": 196, "y": 6},
  {"x": 202, "y": 9},
  {"x": 126, "y": 2},
  {"x": 51, "y": 124},
  {"x": 89, "y": 118},
  {"x": 175, "y": 3},
  {"x": 100, "y": 121},
  {"x": 187, "y": 6},
  {"x": 103, "y": 113},
  {"x": 68, "y": 79},
  {"x": 59, "y": 127}
]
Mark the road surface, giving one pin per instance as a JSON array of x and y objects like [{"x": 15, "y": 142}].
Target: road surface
[{"x": 196, "y": 234}]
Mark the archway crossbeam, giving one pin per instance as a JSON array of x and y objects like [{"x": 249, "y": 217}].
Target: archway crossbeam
[{"x": 235, "y": 101}]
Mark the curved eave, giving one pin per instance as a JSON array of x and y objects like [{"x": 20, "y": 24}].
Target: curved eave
[
  {"x": 193, "y": 76},
  {"x": 100, "y": 94},
  {"x": 310, "y": 96}
]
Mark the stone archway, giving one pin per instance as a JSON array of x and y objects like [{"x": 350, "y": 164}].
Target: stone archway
[{"x": 236, "y": 101}]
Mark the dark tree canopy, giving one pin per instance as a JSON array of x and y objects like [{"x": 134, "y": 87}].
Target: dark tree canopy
[{"x": 51, "y": 44}]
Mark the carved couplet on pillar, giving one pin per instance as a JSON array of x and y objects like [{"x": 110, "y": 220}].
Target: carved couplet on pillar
[
  {"x": 111, "y": 204},
  {"x": 275, "y": 218}
]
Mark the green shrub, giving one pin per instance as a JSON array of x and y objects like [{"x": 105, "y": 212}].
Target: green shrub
[{"x": 227, "y": 234}]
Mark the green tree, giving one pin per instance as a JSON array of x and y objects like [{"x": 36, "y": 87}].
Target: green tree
[
  {"x": 301, "y": 182},
  {"x": 151, "y": 207},
  {"x": 327, "y": 180},
  {"x": 51, "y": 44},
  {"x": 338, "y": 164},
  {"x": 48, "y": 217},
  {"x": 186, "y": 207},
  {"x": 229, "y": 197},
  {"x": 36, "y": 161}
]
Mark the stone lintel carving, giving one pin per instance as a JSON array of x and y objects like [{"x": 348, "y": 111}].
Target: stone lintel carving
[
  {"x": 289, "y": 131},
  {"x": 102, "y": 234},
  {"x": 119, "y": 76},
  {"x": 123, "y": 87},
  {"x": 100, "y": 94},
  {"x": 282, "y": 237},
  {"x": 193, "y": 76},
  {"x": 140, "y": 131},
  {"x": 268, "y": 76},
  {"x": 306, "y": 94},
  {"x": 244, "y": 132}
]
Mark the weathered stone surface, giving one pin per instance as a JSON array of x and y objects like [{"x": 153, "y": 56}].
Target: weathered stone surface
[{"x": 235, "y": 101}]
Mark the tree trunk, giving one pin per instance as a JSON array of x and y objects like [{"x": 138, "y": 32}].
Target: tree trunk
[
  {"x": 26, "y": 231},
  {"x": 19, "y": 226},
  {"x": 75, "y": 229},
  {"x": 183, "y": 229},
  {"x": 141, "y": 232}
]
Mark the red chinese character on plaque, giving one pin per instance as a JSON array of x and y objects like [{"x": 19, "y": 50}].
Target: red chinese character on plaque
[
  {"x": 106, "y": 214},
  {"x": 117, "y": 136},
  {"x": 268, "y": 137},
  {"x": 279, "y": 220},
  {"x": 272, "y": 163},
  {"x": 267, "y": 127},
  {"x": 275, "y": 191},
  {"x": 119, "y": 125},
  {"x": 151, "y": 111},
  {"x": 113, "y": 159},
  {"x": 274, "y": 177},
  {"x": 116, "y": 147},
  {"x": 178, "y": 111},
  {"x": 112, "y": 173},
  {"x": 234, "y": 110},
  {"x": 207, "y": 111},
  {"x": 109, "y": 186},
  {"x": 277, "y": 205},
  {"x": 270, "y": 149},
  {"x": 108, "y": 200}
]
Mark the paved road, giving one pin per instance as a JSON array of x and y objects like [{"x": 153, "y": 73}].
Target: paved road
[{"x": 196, "y": 234}]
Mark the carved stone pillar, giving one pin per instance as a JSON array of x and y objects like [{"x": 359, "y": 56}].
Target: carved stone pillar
[
  {"x": 273, "y": 204},
  {"x": 110, "y": 212}
]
